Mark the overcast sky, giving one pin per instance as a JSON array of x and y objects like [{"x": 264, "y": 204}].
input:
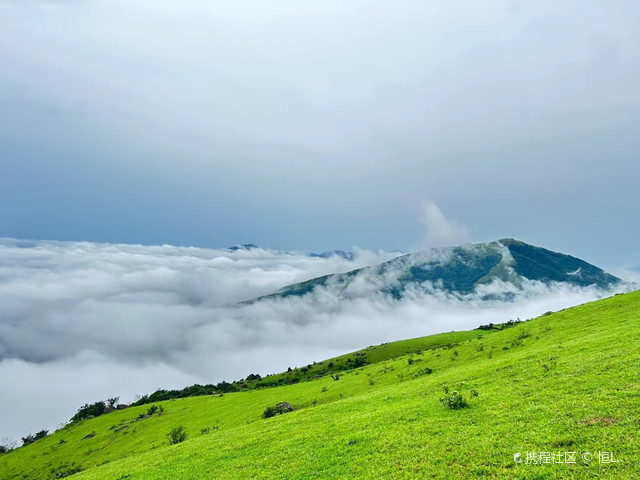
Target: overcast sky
[{"x": 319, "y": 125}]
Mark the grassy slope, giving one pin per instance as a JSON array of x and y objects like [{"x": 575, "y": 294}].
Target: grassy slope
[
  {"x": 372, "y": 354},
  {"x": 590, "y": 401}
]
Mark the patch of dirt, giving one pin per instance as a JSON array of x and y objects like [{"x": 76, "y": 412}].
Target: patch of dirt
[{"x": 600, "y": 421}]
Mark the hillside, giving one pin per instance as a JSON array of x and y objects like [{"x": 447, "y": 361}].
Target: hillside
[
  {"x": 566, "y": 381},
  {"x": 494, "y": 269}
]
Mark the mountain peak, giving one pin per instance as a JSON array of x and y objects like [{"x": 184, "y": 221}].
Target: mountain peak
[
  {"x": 244, "y": 246},
  {"x": 493, "y": 269}
]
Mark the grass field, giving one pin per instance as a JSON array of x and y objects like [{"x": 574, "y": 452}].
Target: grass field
[{"x": 564, "y": 382}]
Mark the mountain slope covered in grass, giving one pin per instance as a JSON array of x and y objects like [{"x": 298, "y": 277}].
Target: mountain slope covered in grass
[
  {"x": 494, "y": 269},
  {"x": 564, "y": 382}
]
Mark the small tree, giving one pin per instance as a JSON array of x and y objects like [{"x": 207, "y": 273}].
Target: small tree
[
  {"x": 112, "y": 401},
  {"x": 177, "y": 435}
]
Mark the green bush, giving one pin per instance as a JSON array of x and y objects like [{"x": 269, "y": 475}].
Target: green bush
[
  {"x": 453, "y": 399},
  {"x": 423, "y": 371},
  {"x": 277, "y": 409},
  {"x": 550, "y": 364},
  {"x": 177, "y": 435},
  {"x": 89, "y": 411},
  {"x": 270, "y": 411},
  {"x": 29, "y": 439}
]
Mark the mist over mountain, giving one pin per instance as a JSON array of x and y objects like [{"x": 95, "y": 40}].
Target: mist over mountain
[
  {"x": 495, "y": 270},
  {"x": 84, "y": 321}
]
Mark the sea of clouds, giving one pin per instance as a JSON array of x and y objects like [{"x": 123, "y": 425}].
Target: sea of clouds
[{"x": 84, "y": 321}]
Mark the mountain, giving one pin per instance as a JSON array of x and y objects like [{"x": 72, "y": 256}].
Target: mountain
[
  {"x": 244, "y": 246},
  {"x": 334, "y": 253},
  {"x": 495, "y": 269},
  {"x": 456, "y": 405}
]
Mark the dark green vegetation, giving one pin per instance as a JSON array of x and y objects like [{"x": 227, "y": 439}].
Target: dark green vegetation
[
  {"x": 177, "y": 435},
  {"x": 537, "y": 263},
  {"x": 315, "y": 370},
  {"x": 461, "y": 270},
  {"x": 461, "y": 407}
]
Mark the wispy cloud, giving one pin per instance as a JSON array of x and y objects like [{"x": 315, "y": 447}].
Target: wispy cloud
[{"x": 440, "y": 231}]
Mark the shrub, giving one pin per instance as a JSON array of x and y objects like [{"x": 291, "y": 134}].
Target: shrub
[
  {"x": 67, "y": 473},
  {"x": 111, "y": 402},
  {"x": 510, "y": 324},
  {"x": 335, "y": 377},
  {"x": 453, "y": 399},
  {"x": 152, "y": 409},
  {"x": 359, "y": 362},
  {"x": 277, "y": 409},
  {"x": 486, "y": 327},
  {"x": 33, "y": 437},
  {"x": 423, "y": 371},
  {"x": 270, "y": 411},
  {"x": 177, "y": 435},
  {"x": 550, "y": 364},
  {"x": 89, "y": 411}
]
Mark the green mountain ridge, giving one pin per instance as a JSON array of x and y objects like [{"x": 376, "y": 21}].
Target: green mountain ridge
[
  {"x": 495, "y": 270},
  {"x": 451, "y": 406}
]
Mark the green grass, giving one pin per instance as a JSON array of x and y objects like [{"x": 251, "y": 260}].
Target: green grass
[
  {"x": 372, "y": 354},
  {"x": 568, "y": 381}
]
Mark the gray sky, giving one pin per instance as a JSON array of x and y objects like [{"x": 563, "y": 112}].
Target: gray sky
[{"x": 317, "y": 125}]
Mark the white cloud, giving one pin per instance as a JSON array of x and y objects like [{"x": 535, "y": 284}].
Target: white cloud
[
  {"x": 440, "y": 231},
  {"x": 85, "y": 321}
]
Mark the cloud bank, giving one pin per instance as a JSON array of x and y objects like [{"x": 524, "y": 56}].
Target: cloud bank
[{"x": 84, "y": 321}]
